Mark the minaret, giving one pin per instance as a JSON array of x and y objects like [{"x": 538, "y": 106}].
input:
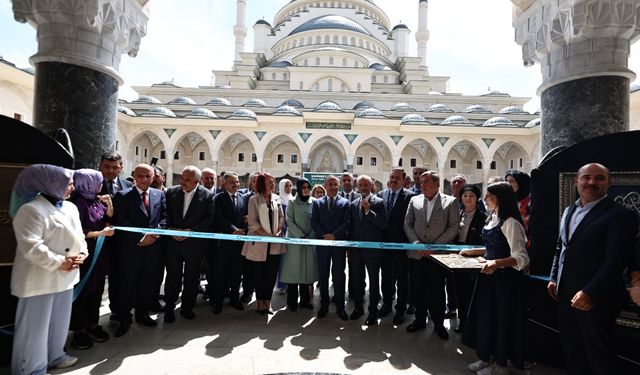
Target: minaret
[
  {"x": 422, "y": 35},
  {"x": 239, "y": 30}
]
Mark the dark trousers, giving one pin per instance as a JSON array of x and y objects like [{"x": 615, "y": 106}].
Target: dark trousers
[
  {"x": 137, "y": 270},
  {"x": 292, "y": 294},
  {"x": 110, "y": 252},
  {"x": 587, "y": 337},
  {"x": 264, "y": 274},
  {"x": 463, "y": 282},
  {"x": 452, "y": 301},
  {"x": 248, "y": 284},
  {"x": 334, "y": 259},
  {"x": 427, "y": 284},
  {"x": 362, "y": 259},
  {"x": 395, "y": 271},
  {"x": 86, "y": 308},
  {"x": 227, "y": 271},
  {"x": 158, "y": 278},
  {"x": 210, "y": 255},
  {"x": 183, "y": 262}
]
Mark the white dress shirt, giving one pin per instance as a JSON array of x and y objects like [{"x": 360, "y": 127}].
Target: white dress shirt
[{"x": 188, "y": 196}]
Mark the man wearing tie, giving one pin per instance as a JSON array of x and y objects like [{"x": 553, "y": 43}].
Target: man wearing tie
[
  {"x": 346, "y": 181},
  {"x": 395, "y": 267},
  {"x": 369, "y": 222},
  {"x": 138, "y": 255},
  {"x": 231, "y": 218},
  {"x": 189, "y": 207},
  {"x": 596, "y": 240},
  {"x": 330, "y": 220},
  {"x": 432, "y": 218}
]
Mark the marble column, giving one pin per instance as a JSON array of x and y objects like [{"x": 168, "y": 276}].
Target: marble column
[
  {"x": 582, "y": 47},
  {"x": 80, "y": 44}
]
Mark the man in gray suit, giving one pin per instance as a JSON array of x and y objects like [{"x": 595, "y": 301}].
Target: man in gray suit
[
  {"x": 369, "y": 221},
  {"x": 432, "y": 217}
]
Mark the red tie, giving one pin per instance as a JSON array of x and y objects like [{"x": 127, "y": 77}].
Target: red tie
[{"x": 145, "y": 201}]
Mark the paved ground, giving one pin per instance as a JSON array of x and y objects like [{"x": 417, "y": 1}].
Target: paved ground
[{"x": 247, "y": 343}]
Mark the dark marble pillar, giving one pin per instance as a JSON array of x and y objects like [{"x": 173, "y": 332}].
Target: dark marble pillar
[
  {"x": 584, "y": 108},
  {"x": 81, "y": 100}
]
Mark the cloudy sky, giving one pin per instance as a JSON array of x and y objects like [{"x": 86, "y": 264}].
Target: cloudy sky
[{"x": 471, "y": 42}]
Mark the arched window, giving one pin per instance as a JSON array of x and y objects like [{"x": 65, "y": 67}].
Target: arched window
[
  {"x": 360, "y": 43},
  {"x": 326, "y": 39},
  {"x": 374, "y": 79},
  {"x": 344, "y": 39},
  {"x": 343, "y": 87},
  {"x": 273, "y": 76},
  {"x": 301, "y": 86},
  {"x": 285, "y": 76},
  {"x": 353, "y": 41},
  {"x": 331, "y": 60},
  {"x": 344, "y": 61},
  {"x": 330, "y": 85},
  {"x": 386, "y": 79},
  {"x": 306, "y": 62},
  {"x": 335, "y": 39},
  {"x": 316, "y": 87},
  {"x": 295, "y": 43},
  {"x": 309, "y": 40},
  {"x": 318, "y": 39},
  {"x": 317, "y": 61},
  {"x": 359, "y": 87}
]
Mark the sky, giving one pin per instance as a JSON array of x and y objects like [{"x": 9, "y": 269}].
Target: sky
[{"x": 471, "y": 41}]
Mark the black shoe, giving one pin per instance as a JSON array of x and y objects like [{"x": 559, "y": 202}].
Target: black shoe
[
  {"x": 459, "y": 328},
  {"x": 416, "y": 326},
  {"x": 323, "y": 312},
  {"x": 372, "y": 319},
  {"x": 122, "y": 328},
  {"x": 292, "y": 308},
  {"x": 217, "y": 308},
  {"x": 113, "y": 317},
  {"x": 441, "y": 332},
  {"x": 308, "y": 306},
  {"x": 385, "y": 310},
  {"x": 450, "y": 313},
  {"x": 156, "y": 307},
  {"x": 411, "y": 310},
  {"x": 97, "y": 334},
  {"x": 343, "y": 315},
  {"x": 201, "y": 290},
  {"x": 398, "y": 318},
  {"x": 187, "y": 314},
  {"x": 357, "y": 313},
  {"x": 146, "y": 321},
  {"x": 246, "y": 297},
  {"x": 81, "y": 341},
  {"x": 169, "y": 316},
  {"x": 237, "y": 305}
]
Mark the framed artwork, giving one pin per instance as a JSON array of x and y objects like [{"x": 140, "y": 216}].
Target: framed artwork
[{"x": 625, "y": 190}]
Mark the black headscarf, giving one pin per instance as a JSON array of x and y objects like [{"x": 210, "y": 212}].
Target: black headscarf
[
  {"x": 524, "y": 183},
  {"x": 472, "y": 188},
  {"x": 299, "y": 185}
]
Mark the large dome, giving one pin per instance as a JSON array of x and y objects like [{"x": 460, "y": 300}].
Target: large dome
[{"x": 331, "y": 21}]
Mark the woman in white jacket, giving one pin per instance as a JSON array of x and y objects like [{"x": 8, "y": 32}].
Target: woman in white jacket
[{"x": 50, "y": 248}]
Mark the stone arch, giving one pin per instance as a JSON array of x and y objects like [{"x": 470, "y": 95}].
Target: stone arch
[
  {"x": 424, "y": 152},
  {"x": 336, "y": 80},
  {"x": 235, "y": 153},
  {"x": 282, "y": 155},
  {"x": 511, "y": 154},
  {"x": 148, "y": 140},
  {"x": 190, "y": 145},
  {"x": 327, "y": 154},
  {"x": 373, "y": 157},
  {"x": 469, "y": 161}
]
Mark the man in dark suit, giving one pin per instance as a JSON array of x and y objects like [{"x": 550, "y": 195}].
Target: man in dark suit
[
  {"x": 432, "y": 218},
  {"x": 231, "y": 212},
  {"x": 138, "y": 256},
  {"x": 330, "y": 220},
  {"x": 189, "y": 207},
  {"x": 596, "y": 240},
  {"x": 346, "y": 181},
  {"x": 417, "y": 172},
  {"x": 369, "y": 222},
  {"x": 395, "y": 269},
  {"x": 208, "y": 179},
  {"x": 111, "y": 167}
]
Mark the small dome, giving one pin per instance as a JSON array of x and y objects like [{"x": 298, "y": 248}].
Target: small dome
[
  {"x": 402, "y": 107},
  {"x": 514, "y": 109},
  {"x": 400, "y": 26},
  {"x": 533, "y": 123},
  {"x": 243, "y": 113},
  {"x": 159, "y": 112},
  {"x": 413, "y": 118},
  {"x": 378, "y": 66},
  {"x": 262, "y": 22},
  {"x": 496, "y": 93},
  {"x": 292, "y": 103},
  {"x": 632, "y": 88},
  {"x": 126, "y": 111},
  {"x": 435, "y": 93},
  {"x": 280, "y": 64},
  {"x": 439, "y": 108},
  {"x": 455, "y": 120},
  {"x": 146, "y": 99},
  {"x": 255, "y": 103},
  {"x": 328, "y": 106},
  {"x": 202, "y": 112},
  {"x": 498, "y": 121},
  {"x": 29, "y": 69},
  {"x": 286, "y": 110},
  {"x": 331, "y": 21},
  {"x": 165, "y": 83},
  {"x": 370, "y": 112},
  {"x": 182, "y": 100},
  {"x": 218, "y": 101},
  {"x": 363, "y": 105},
  {"x": 477, "y": 108}
]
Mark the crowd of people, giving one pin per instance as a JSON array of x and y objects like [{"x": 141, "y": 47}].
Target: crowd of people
[{"x": 60, "y": 214}]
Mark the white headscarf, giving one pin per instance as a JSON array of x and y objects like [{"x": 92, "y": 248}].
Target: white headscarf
[{"x": 284, "y": 197}]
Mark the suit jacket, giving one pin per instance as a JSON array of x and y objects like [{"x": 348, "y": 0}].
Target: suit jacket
[
  {"x": 228, "y": 218},
  {"x": 198, "y": 218},
  {"x": 120, "y": 185},
  {"x": 442, "y": 226},
  {"x": 474, "y": 234},
  {"x": 258, "y": 217},
  {"x": 593, "y": 258},
  {"x": 354, "y": 195},
  {"x": 129, "y": 211},
  {"x": 371, "y": 226},
  {"x": 395, "y": 230},
  {"x": 337, "y": 222}
]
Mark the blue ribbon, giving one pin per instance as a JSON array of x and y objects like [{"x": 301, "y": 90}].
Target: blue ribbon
[
  {"x": 96, "y": 253},
  {"x": 538, "y": 277},
  {"x": 299, "y": 241}
]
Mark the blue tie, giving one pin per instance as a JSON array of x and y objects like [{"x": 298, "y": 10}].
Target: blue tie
[{"x": 391, "y": 202}]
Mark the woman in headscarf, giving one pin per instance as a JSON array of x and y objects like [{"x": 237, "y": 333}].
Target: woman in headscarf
[
  {"x": 285, "y": 187},
  {"x": 299, "y": 266},
  {"x": 95, "y": 212},
  {"x": 50, "y": 249},
  {"x": 521, "y": 183}
]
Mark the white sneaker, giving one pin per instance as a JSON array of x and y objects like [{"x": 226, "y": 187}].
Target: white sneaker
[
  {"x": 478, "y": 365},
  {"x": 66, "y": 361},
  {"x": 494, "y": 369}
]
